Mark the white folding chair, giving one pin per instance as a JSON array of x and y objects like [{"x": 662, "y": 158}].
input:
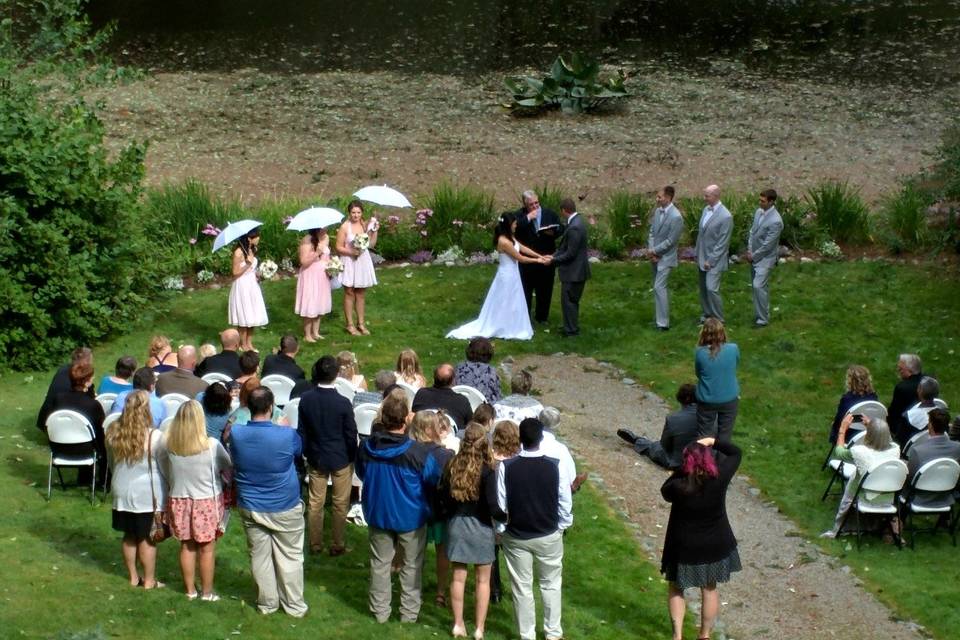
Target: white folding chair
[
  {"x": 72, "y": 444},
  {"x": 172, "y": 401},
  {"x": 470, "y": 393},
  {"x": 939, "y": 403},
  {"x": 213, "y": 376},
  {"x": 165, "y": 423},
  {"x": 886, "y": 478},
  {"x": 365, "y": 414},
  {"x": 281, "y": 386},
  {"x": 937, "y": 479},
  {"x": 345, "y": 388},
  {"x": 870, "y": 408},
  {"x": 840, "y": 468},
  {"x": 914, "y": 440},
  {"x": 292, "y": 412},
  {"x": 109, "y": 420},
  {"x": 407, "y": 389},
  {"x": 106, "y": 401}
]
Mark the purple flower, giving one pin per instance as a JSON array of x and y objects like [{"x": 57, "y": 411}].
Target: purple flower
[
  {"x": 688, "y": 253},
  {"x": 210, "y": 230},
  {"x": 594, "y": 253},
  {"x": 288, "y": 220},
  {"x": 420, "y": 257},
  {"x": 636, "y": 253},
  {"x": 393, "y": 220}
]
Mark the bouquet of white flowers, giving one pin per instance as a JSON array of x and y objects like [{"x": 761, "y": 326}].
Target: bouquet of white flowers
[
  {"x": 361, "y": 241},
  {"x": 267, "y": 269},
  {"x": 334, "y": 266}
]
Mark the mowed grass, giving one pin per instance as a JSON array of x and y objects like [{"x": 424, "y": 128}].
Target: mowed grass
[{"x": 61, "y": 565}]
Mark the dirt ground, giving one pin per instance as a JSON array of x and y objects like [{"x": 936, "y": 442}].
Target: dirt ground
[
  {"x": 253, "y": 134},
  {"x": 788, "y": 588}
]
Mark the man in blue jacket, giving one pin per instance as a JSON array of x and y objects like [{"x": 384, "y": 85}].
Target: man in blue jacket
[{"x": 395, "y": 471}]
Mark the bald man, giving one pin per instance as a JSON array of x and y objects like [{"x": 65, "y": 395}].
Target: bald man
[
  {"x": 713, "y": 245},
  {"x": 227, "y": 361},
  {"x": 442, "y": 396},
  {"x": 181, "y": 380}
]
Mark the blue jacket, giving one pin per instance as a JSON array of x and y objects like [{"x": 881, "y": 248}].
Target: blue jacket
[{"x": 396, "y": 472}]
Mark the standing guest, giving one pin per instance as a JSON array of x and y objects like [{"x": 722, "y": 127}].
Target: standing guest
[
  {"x": 679, "y": 430},
  {"x": 519, "y": 404},
  {"x": 249, "y": 363},
  {"x": 329, "y": 432},
  {"x": 666, "y": 225},
  {"x": 938, "y": 445},
  {"x": 121, "y": 378},
  {"x": 504, "y": 444},
  {"x": 395, "y": 471},
  {"x": 534, "y": 493},
  {"x": 469, "y": 488},
  {"x": 910, "y": 371},
  {"x": 227, "y": 361},
  {"x": 246, "y": 309},
  {"x": 358, "y": 274},
  {"x": 61, "y": 382},
  {"x": 78, "y": 399},
  {"x": 551, "y": 447},
  {"x": 268, "y": 497},
  {"x": 718, "y": 391},
  {"x": 181, "y": 379},
  {"x": 713, "y": 244},
  {"x": 916, "y": 416},
  {"x": 381, "y": 382},
  {"x": 350, "y": 369},
  {"x": 442, "y": 396},
  {"x": 192, "y": 463},
  {"x": 573, "y": 266},
  {"x": 144, "y": 379},
  {"x": 537, "y": 229},
  {"x": 763, "y": 250},
  {"x": 283, "y": 363},
  {"x": 699, "y": 548},
  {"x": 138, "y": 488},
  {"x": 314, "y": 297},
  {"x": 477, "y": 372},
  {"x": 216, "y": 403},
  {"x": 859, "y": 388},
  {"x": 161, "y": 357},
  {"x": 408, "y": 369}
]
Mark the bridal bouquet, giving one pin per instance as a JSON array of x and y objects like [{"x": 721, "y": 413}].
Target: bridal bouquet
[
  {"x": 361, "y": 241},
  {"x": 267, "y": 269},
  {"x": 334, "y": 266}
]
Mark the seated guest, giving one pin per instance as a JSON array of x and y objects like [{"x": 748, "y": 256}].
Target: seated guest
[
  {"x": 679, "y": 430},
  {"x": 181, "y": 380},
  {"x": 268, "y": 496},
  {"x": 227, "y": 361},
  {"x": 350, "y": 369},
  {"x": 938, "y": 445},
  {"x": 205, "y": 351},
  {"x": 161, "y": 357},
  {"x": 282, "y": 363},
  {"x": 78, "y": 399},
  {"x": 61, "y": 382},
  {"x": 447, "y": 437},
  {"x": 408, "y": 369},
  {"x": 120, "y": 380},
  {"x": 216, "y": 401},
  {"x": 442, "y": 396},
  {"x": 485, "y": 416},
  {"x": 249, "y": 363},
  {"x": 859, "y": 387},
  {"x": 519, "y": 404},
  {"x": 875, "y": 447},
  {"x": 954, "y": 431},
  {"x": 552, "y": 447},
  {"x": 927, "y": 391},
  {"x": 146, "y": 380},
  {"x": 904, "y": 396},
  {"x": 242, "y": 413},
  {"x": 477, "y": 372},
  {"x": 383, "y": 380}
]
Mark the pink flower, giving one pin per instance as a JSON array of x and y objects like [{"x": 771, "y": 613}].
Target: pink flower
[
  {"x": 288, "y": 220},
  {"x": 210, "y": 230},
  {"x": 193, "y": 241},
  {"x": 393, "y": 220},
  {"x": 592, "y": 219}
]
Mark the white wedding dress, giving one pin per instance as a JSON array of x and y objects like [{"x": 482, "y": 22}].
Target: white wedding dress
[{"x": 504, "y": 313}]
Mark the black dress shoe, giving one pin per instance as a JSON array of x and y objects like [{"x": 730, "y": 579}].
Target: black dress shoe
[
  {"x": 659, "y": 328},
  {"x": 627, "y": 435}
]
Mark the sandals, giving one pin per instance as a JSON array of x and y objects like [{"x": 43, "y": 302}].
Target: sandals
[
  {"x": 156, "y": 585},
  {"x": 441, "y": 601},
  {"x": 352, "y": 330},
  {"x": 459, "y": 632},
  {"x": 363, "y": 329}
]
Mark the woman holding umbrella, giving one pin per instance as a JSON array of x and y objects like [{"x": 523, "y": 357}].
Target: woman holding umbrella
[
  {"x": 246, "y": 309},
  {"x": 353, "y": 241},
  {"x": 313, "y": 283}
]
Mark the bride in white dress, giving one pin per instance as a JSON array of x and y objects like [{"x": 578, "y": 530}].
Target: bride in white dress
[{"x": 504, "y": 313}]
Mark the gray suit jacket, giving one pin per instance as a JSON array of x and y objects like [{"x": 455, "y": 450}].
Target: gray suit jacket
[
  {"x": 764, "y": 239},
  {"x": 679, "y": 430},
  {"x": 713, "y": 240},
  {"x": 571, "y": 255},
  {"x": 666, "y": 225},
  {"x": 922, "y": 453}
]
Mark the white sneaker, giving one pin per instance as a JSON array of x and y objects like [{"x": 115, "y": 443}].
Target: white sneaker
[{"x": 210, "y": 597}]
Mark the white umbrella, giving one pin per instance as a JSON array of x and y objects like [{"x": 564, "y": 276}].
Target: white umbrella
[
  {"x": 314, "y": 218},
  {"x": 233, "y": 231},
  {"x": 383, "y": 195}
]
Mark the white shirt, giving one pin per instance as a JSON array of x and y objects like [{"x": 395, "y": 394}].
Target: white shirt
[
  {"x": 707, "y": 214},
  {"x": 131, "y": 482},
  {"x": 553, "y": 448},
  {"x": 565, "y": 503}
]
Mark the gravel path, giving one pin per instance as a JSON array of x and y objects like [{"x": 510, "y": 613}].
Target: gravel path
[{"x": 787, "y": 589}]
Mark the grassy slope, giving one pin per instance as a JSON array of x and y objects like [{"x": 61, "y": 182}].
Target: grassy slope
[{"x": 828, "y": 315}]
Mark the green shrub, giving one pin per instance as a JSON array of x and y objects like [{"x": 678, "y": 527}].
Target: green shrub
[
  {"x": 549, "y": 196},
  {"x": 455, "y": 210},
  {"x": 742, "y": 207},
  {"x": 904, "y": 219},
  {"x": 840, "y": 211},
  {"x": 946, "y": 171},
  {"x": 626, "y": 216},
  {"x": 800, "y": 230},
  {"x": 398, "y": 238},
  {"x": 573, "y": 85},
  {"x": 690, "y": 207}
]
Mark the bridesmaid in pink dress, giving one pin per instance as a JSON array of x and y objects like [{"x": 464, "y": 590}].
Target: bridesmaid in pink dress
[
  {"x": 246, "y": 310},
  {"x": 358, "y": 273},
  {"x": 313, "y": 283}
]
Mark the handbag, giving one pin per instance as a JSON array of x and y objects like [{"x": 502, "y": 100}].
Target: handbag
[{"x": 159, "y": 529}]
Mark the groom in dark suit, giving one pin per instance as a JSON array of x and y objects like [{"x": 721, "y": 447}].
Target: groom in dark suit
[
  {"x": 537, "y": 229},
  {"x": 572, "y": 265}
]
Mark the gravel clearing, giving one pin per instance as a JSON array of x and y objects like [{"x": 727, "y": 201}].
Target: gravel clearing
[{"x": 787, "y": 589}]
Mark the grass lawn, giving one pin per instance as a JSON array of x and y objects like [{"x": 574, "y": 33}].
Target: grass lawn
[{"x": 61, "y": 566}]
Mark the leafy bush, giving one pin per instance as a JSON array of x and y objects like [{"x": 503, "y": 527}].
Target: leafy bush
[
  {"x": 690, "y": 207},
  {"x": 397, "y": 238},
  {"x": 455, "y": 212},
  {"x": 549, "y": 196},
  {"x": 573, "y": 85},
  {"x": 904, "y": 219},
  {"x": 800, "y": 229},
  {"x": 742, "y": 207},
  {"x": 840, "y": 211},
  {"x": 627, "y": 218},
  {"x": 946, "y": 171}
]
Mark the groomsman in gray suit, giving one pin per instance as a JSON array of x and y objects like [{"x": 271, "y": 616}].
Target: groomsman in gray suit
[
  {"x": 573, "y": 267},
  {"x": 713, "y": 244},
  {"x": 665, "y": 229},
  {"x": 763, "y": 249}
]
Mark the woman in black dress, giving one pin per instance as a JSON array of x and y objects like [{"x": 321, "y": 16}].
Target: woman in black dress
[{"x": 700, "y": 549}]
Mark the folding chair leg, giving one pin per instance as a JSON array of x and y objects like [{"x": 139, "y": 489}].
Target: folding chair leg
[
  {"x": 93, "y": 485},
  {"x": 50, "y": 477},
  {"x": 833, "y": 479},
  {"x": 63, "y": 486},
  {"x": 858, "y": 525}
]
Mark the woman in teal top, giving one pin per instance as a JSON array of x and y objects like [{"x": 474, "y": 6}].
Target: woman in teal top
[{"x": 716, "y": 362}]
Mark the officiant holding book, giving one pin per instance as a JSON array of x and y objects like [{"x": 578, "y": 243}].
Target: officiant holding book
[{"x": 537, "y": 229}]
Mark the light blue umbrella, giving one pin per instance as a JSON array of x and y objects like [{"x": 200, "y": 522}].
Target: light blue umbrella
[
  {"x": 314, "y": 218},
  {"x": 233, "y": 231}
]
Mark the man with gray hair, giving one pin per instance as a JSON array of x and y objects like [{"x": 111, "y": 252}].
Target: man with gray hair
[
  {"x": 713, "y": 244},
  {"x": 519, "y": 404},
  {"x": 904, "y": 395},
  {"x": 537, "y": 229},
  {"x": 916, "y": 416}
]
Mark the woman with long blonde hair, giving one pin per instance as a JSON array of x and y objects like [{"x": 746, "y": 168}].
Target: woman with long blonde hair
[
  {"x": 138, "y": 488},
  {"x": 470, "y": 490},
  {"x": 194, "y": 462},
  {"x": 408, "y": 369},
  {"x": 718, "y": 391}
]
